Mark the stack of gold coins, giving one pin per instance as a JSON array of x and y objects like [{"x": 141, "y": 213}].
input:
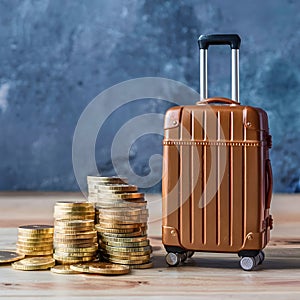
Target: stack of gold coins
[
  {"x": 75, "y": 237},
  {"x": 121, "y": 217},
  {"x": 35, "y": 240},
  {"x": 95, "y": 181}
]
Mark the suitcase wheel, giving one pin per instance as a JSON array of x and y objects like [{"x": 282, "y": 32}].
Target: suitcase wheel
[
  {"x": 248, "y": 263},
  {"x": 173, "y": 259},
  {"x": 261, "y": 255},
  {"x": 190, "y": 254}
]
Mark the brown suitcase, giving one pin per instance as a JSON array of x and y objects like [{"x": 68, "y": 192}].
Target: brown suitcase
[{"x": 217, "y": 178}]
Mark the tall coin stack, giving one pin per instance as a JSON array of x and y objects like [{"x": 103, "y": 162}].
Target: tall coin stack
[
  {"x": 75, "y": 237},
  {"x": 35, "y": 240},
  {"x": 121, "y": 217}
]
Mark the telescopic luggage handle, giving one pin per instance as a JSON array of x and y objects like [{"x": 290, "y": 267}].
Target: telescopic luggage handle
[{"x": 234, "y": 41}]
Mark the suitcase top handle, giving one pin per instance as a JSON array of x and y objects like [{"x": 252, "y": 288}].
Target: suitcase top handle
[
  {"x": 234, "y": 41},
  {"x": 217, "y": 100}
]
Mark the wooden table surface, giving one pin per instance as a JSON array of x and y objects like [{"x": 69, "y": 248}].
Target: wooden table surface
[{"x": 205, "y": 276}]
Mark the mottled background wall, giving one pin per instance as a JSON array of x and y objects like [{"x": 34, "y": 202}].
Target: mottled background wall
[{"x": 55, "y": 56}]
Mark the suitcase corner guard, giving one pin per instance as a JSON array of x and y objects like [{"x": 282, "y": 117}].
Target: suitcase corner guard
[{"x": 170, "y": 236}]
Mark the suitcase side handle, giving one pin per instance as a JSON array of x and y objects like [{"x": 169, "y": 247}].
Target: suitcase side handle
[
  {"x": 269, "y": 183},
  {"x": 220, "y": 39},
  {"x": 233, "y": 40},
  {"x": 217, "y": 100}
]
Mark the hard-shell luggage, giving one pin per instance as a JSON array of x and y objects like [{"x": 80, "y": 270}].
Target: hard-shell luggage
[{"x": 217, "y": 178}]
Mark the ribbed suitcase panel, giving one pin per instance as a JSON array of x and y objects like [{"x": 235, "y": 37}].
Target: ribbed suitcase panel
[{"x": 210, "y": 222}]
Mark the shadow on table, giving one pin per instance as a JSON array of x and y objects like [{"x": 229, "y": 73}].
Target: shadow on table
[{"x": 277, "y": 259}]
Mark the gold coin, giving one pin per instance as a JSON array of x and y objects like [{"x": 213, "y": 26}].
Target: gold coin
[
  {"x": 75, "y": 241},
  {"x": 142, "y": 266},
  {"x": 78, "y": 239},
  {"x": 72, "y": 258},
  {"x": 84, "y": 268},
  {"x": 35, "y": 240},
  {"x": 34, "y": 263},
  {"x": 143, "y": 250},
  {"x": 104, "y": 179},
  {"x": 72, "y": 231},
  {"x": 99, "y": 228},
  {"x": 74, "y": 254},
  {"x": 137, "y": 233},
  {"x": 37, "y": 261},
  {"x": 19, "y": 266},
  {"x": 74, "y": 223},
  {"x": 73, "y": 203},
  {"x": 63, "y": 269},
  {"x": 113, "y": 188},
  {"x": 109, "y": 200},
  {"x": 123, "y": 239},
  {"x": 79, "y": 248},
  {"x": 109, "y": 205},
  {"x": 35, "y": 237},
  {"x": 125, "y": 256},
  {"x": 121, "y": 196},
  {"x": 33, "y": 248},
  {"x": 60, "y": 214},
  {"x": 91, "y": 249},
  {"x": 34, "y": 234},
  {"x": 86, "y": 208},
  {"x": 100, "y": 206},
  {"x": 124, "y": 216},
  {"x": 32, "y": 252},
  {"x": 73, "y": 212},
  {"x": 104, "y": 268},
  {"x": 37, "y": 243},
  {"x": 123, "y": 220},
  {"x": 7, "y": 256},
  {"x": 75, "y": 217},
  {"x": 36, "y": 229},
  {"x": 74, "y": 261},
  {"x": 80, "y": 235},
  {"x": 129, "y": 244},
  {"x": 117, "y": 202},
  {"x": 124, "y": 211},
  {"x": 127, "y": 261},
  {"x": 120, "y": 226},
  {"x": 75, "y": 208}
]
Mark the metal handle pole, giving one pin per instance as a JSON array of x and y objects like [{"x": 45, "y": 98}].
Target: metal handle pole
[
  {"x": 203, "y": 74},
  {"x": 235, "y": 89}
]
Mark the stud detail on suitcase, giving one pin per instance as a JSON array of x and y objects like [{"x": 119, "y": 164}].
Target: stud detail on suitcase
[{"x": 210, "y": 143}]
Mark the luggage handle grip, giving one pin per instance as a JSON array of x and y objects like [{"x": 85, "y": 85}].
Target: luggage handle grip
[
  {"x": 269, "y": 183},
  {"x": 217, "y": 100},
  {"x": 233, "y": 40}
]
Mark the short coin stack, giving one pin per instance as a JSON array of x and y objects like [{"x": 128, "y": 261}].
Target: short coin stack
[
  {"x": 75, "y": 238},
  {"x": 35, "y": 240},
  {"x": 122, "y": 216}
]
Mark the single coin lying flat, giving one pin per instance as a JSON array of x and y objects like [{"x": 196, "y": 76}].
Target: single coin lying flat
[
  {"x": 7, "y": 256},
  {"x": 102, "y": 268}
]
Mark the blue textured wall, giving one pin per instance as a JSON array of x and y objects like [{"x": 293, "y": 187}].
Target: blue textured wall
[{"x": 55, "y": 56}]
